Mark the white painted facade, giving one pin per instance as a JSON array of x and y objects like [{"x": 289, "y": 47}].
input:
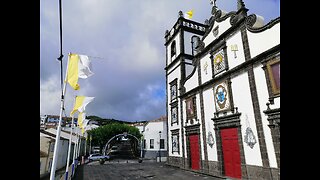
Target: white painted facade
[
  {"x": 47, "y": 141},
  {"x": 153, "y": 131},
  {"x": 233, "y": 87}
]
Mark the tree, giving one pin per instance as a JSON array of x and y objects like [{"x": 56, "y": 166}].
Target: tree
[{"x": 102, "y": 134}]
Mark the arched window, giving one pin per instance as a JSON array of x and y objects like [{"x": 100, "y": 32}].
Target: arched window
[{"x": 173, "y": 48}]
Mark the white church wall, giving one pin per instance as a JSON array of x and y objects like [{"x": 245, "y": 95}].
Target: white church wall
[
  {"x": 192, "y": 82},
  {"x": 222, "y": 27},
  {"x": 177, "y": 40},
  {"x": 269, "y": 37},
  {"x": 263, "y": 97},
  {"x": 208, "y": 103},
  {"x": 243, "y": 101},
  {"x": 235, "y": 58},
  {"x": 206, "y": 68}
]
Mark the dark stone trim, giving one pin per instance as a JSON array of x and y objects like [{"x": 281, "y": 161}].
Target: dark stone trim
[
  {"x": 234, "y": 70},
  {"x": 167, "y": 107},
  {"x": 266, "y": 63},
  {"x": 222, "y": 45},
  {"x": 179, "y": 25},
  {"x": 223, "y": 122},
  {"x": 250, "y": 20},
  {"x": 230, "y": 96},
  {"x": 172, "y": 83},
  {"x": 167, "y": 56},
  {"x": 205, "y": 164},
  {"x": 174, "y": 103},
  {"x": 175, "y": 106},
  {"x": 175, "y": 132},
  {"x": 217, "y": 18},
  {"x": 255, "y": 100},
  {"x": 192, "y": 118},
  {"x": 190, "y": 75},
  {"x": 274, "y": 125},
  {"x": 220, "y": 19},
  {"x": 178, "y": 58},
  {"x": 168, "y": 73},
  {"x": 215, "y": 42},
  {"x": 176, "y": 28},
  {"x": 182, "y": 133},
  {"x": 174, "y": 161},
  {"x": 193, "y": 130},
  {"x": 240, "y": 15},
  {"x": 182, "y": 66},
  {"x": 214, "y": 169},
  {"x": 259, "y": 172}
]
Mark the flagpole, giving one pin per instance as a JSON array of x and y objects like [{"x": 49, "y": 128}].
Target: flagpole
[
  {"x": 74, "y": 150},
  {"x": 69, "y": 149},
  {"x": 85, "y": 146},
  {"x": 56, "y": 145},
  {"x": 79, "y": 147},
  {"x": 90, "y": 144}
]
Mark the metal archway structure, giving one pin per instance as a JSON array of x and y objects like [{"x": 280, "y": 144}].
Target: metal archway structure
[{"x": 118, "y": 135}]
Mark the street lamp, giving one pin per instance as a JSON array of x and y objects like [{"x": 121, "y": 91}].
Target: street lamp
[{"x": 159, "y": 146}]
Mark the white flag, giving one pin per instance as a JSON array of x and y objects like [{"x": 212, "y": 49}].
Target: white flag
[
  {"x": 81, "y": 103},
  {"x": 84, "y": 67}
]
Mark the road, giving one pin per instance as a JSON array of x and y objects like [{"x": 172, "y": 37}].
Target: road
[{"x": 131, "y": 169}]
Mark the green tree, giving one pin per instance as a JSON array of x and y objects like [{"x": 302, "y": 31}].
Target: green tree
[{"x": 102, "y": 134}]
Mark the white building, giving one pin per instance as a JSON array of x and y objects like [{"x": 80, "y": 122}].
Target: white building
[
  {"x": 223, "y": 95},
  {"x": 47, "y": 142},
  {"x": 154, "y": 142}
]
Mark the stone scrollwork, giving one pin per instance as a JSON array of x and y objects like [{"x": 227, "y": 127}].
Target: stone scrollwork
[
  {"x": 251, "y": 20},
  {"x": 249, "y": 138},
  {"x": 218, "y": 14},
  {"x": 210, "y": 139},
  {"x": 233, "y": 20}
]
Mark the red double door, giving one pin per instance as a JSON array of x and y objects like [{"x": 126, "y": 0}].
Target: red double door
[
  {"x": 231, "y": 152},
  {"x": 194, "y": 151}
]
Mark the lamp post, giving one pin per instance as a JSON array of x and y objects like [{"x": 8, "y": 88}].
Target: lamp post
[{"x": 159, "y": 146}]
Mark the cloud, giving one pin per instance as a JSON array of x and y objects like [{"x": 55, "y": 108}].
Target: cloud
[{"x": 125, "y": 41}]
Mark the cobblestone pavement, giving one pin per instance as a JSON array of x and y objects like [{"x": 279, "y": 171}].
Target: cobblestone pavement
[{"x": 127, "y": 170}]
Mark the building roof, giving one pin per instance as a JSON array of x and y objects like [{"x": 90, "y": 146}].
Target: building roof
[
  {"x": 63, "y": 118},
  {"x": 63, "y": 134},
  {"x": 160, "y": 119},
  {"x": 51, "y": 135}
]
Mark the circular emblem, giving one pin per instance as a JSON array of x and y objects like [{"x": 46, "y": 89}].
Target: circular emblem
[{"x": 221, "y": 96}]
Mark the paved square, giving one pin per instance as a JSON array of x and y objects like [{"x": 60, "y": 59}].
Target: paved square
[{"x": 133, "y": 170}]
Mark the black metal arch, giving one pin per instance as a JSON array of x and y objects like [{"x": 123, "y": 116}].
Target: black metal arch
[{"x": 118, "y": 135}]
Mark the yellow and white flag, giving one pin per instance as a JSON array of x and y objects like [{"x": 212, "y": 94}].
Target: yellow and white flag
[
  {"x": 81, "y": 103},
  {"x": 84, "y": 124},
  {"x": 79, "y": 66},
  {"x": 81, "y": 118},
  {"x": 189, "y": 14}
]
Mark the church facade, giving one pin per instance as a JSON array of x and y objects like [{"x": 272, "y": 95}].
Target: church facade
[{"x": 223, "y": 95}]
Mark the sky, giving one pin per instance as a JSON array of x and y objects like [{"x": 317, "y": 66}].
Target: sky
[{"x": 124, "y": 40}]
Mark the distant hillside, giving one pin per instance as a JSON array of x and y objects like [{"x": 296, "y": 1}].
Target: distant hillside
[{"x": 104, "y": 121}]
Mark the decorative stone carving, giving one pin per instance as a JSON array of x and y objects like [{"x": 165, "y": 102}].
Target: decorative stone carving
[
  {"x": 249, "y": 137},
  {"x": 251, "y": 20},
  {"x": 210, "y": 139}
]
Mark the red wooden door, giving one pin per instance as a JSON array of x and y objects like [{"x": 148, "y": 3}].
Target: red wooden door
[
  {"x": 194, "y": 152},
  {"x": 231, "y": 152}
]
